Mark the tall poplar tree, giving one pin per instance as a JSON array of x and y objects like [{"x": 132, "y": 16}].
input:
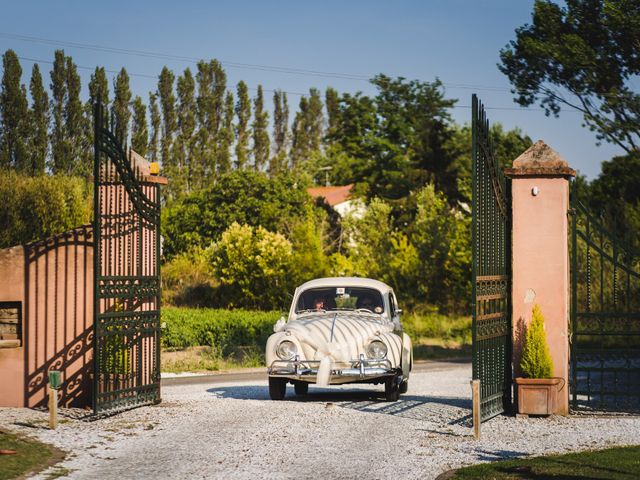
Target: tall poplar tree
[
  {"x": 154, "y": 114},
  {"x": 168, "y": 108},
  {"x": 121, "y": 101},
  {"x": 139, "y": 128},
  {"x": 60, "y": 149},
  {"x": 307, "y": 128},
  {"x": 13, "y": 115},
  {"x": 314, "y": 120},
  {"x": 75, "y": 128},
  {"x": 225, "y": 137},
  {"x": 99, "y": 87},
  {"x": 260, "y": 134},
  {"x": 206, "y": 111},
  {"x": 184, "y": 142},
  {"x": 243, "y": 112},
  {"x": 280, "y": 132},
  {"x": 39, "y": 122},
  {"x": 299, "y": 141},
  {"x": 332, "y": 105}
]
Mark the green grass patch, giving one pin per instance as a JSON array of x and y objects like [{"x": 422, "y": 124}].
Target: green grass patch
[
  {"x": 620, "y": 463},
  {"x": 31, "y": 455},
  {"x": 437, "y": 336}
]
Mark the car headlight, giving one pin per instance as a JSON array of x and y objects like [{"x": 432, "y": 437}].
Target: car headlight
[
  {"x": 286, "y": 350},
  {"x": 376, "y": 349}
]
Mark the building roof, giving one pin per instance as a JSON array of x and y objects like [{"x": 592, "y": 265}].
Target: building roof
[{"x": 333, "y": 195}]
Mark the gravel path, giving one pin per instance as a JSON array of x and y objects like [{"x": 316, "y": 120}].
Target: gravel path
[{"x": 232, "y": 430}]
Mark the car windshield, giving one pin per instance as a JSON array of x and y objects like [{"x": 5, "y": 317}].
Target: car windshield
[{"x": 340, "y": 298}]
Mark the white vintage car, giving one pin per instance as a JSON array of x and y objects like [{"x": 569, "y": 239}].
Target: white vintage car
[{"x": 340, "y": 330}]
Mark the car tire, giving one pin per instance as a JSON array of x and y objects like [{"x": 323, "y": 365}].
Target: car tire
[
  {"x": 301, "y": 388},
  {"x": 404, "y": 386},
  {"x": 277, "y": 388},
  {"x": 391, "y": 390}
]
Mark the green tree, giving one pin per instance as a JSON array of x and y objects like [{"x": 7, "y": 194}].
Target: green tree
[
  {"x": 14, "y": 122},
  {"x": 253, "y": 266},
  {"x": 156, "y": 122},
  {"x": 243, "y": 113},
  {"x": 243, "y": 196},
  {"x": 584, "y": 57},
  {"x": 536, "y": 361},
  {"x": 139, "y": 128},
  {"x": 121, "y": 102},
  {"x": 185, "y": 141},
  {"x": 278, "y": 160},
  {"x": 60, "y": 150},
  {"x": 260, "y": 135},
  {"x": 76, "y": 128},
  {"x": 332, "y": 105},
  {"x": 307, "y": 128},
  {"x": 226, "y": 137},
  {"x": 39, "y": 123},
  {"x": 169, "y": 123},
  {"x": 99, "y": 87}
]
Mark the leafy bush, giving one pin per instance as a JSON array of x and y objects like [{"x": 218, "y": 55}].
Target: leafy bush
[
  {"x": 35, "y": 208},
  {"x": 253, "y": 266},
  {"x": 536, "y": 360},
  {"x": 188, "y": 279},
  {"x": 430, "y": 325},
  {"x": 224, "y": 330}
]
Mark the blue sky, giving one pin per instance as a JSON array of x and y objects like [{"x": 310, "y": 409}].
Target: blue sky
[{"x": 457, "y": 41}]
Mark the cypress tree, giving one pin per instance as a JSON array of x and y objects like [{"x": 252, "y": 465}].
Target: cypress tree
[
  {"x": 79, "y": 151},
  {"x": 60, "y": 150},
  {"x": 121, "y": 100},
  {"x": 168, "y": 107},
  {"x": 183, "y": 146},
  {"x": 39, "y": 122},
  {"x": 154, "y": 113},
  {"x": 243, "y": 112},
  {"x": 260, "y": 134},
  {"x": 13, "y": 116},
  {"x": 280, "y": 132},
  {"x": 139, "y": 129},
  {"x": 226, "y": 136}
]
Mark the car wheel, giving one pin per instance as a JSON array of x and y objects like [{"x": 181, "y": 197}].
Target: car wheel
[
  {"x": 301, "y": 388},
  {"x": 391, "y": 389},
  {"x": 404, "y": 386},
  {"x": 277, "y": 388}
]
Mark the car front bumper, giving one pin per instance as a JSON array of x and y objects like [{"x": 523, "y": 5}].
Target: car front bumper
[{"x": 341, "y": 372}]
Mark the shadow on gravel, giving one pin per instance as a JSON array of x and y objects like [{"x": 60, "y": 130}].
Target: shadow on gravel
[{"x": 440, "y": 410}]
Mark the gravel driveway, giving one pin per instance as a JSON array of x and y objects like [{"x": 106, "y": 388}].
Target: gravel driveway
[{"x": 232, "y": 430}]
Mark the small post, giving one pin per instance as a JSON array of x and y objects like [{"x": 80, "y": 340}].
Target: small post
[
  {"x": 475, "y": 392},
  {"x": 54, "y": 385}
]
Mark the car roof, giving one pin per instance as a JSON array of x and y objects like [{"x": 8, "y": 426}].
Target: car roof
[{"x": 345, "y": 282}]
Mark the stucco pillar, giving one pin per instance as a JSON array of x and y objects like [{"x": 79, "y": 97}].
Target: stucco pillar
[{"x": 540, "y": 256}]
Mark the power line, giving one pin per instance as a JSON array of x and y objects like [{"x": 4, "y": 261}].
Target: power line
[{"x": 194, "y": 60}]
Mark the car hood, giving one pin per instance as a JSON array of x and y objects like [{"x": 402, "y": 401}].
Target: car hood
[{"x": 351, "y": 332}]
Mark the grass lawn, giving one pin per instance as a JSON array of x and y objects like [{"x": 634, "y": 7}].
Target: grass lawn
[
  {"x": 31, "y": 455},
  {"x": 620, "y": 463}
]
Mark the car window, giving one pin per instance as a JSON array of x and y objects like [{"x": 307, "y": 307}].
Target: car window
[{"x": 340, "y": 298}]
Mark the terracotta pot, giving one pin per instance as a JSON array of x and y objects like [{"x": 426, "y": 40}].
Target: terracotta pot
[{"x": 539, "y": 396}]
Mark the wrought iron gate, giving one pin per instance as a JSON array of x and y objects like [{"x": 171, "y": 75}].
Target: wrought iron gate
[
  {"x": 491, "y": 246},
  {"x": 127, "y": 275},
  {"x": 605, "y": 316}
]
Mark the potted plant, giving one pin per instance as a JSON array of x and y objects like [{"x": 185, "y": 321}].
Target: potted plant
[{"x": 538, "y": 390}]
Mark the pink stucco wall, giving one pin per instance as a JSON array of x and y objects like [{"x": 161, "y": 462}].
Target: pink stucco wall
[
  {"x": 53, "y": 280},
  {"x": 541, "y": 266}
]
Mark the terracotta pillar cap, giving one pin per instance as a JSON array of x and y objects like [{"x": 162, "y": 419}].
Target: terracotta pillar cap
[{"x": 540, "y": 160}]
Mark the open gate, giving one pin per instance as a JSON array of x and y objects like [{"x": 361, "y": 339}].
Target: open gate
[
  {"x": 127, "y": 275},
  {"x": 605, "y": 316},
  {"x": 491, "y": 247}
]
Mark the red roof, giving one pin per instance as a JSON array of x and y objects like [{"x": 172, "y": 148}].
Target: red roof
[{"x": 333, "y": 195}]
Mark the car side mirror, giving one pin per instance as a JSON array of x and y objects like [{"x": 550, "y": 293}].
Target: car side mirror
[{"x": 398, "y": 311}]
